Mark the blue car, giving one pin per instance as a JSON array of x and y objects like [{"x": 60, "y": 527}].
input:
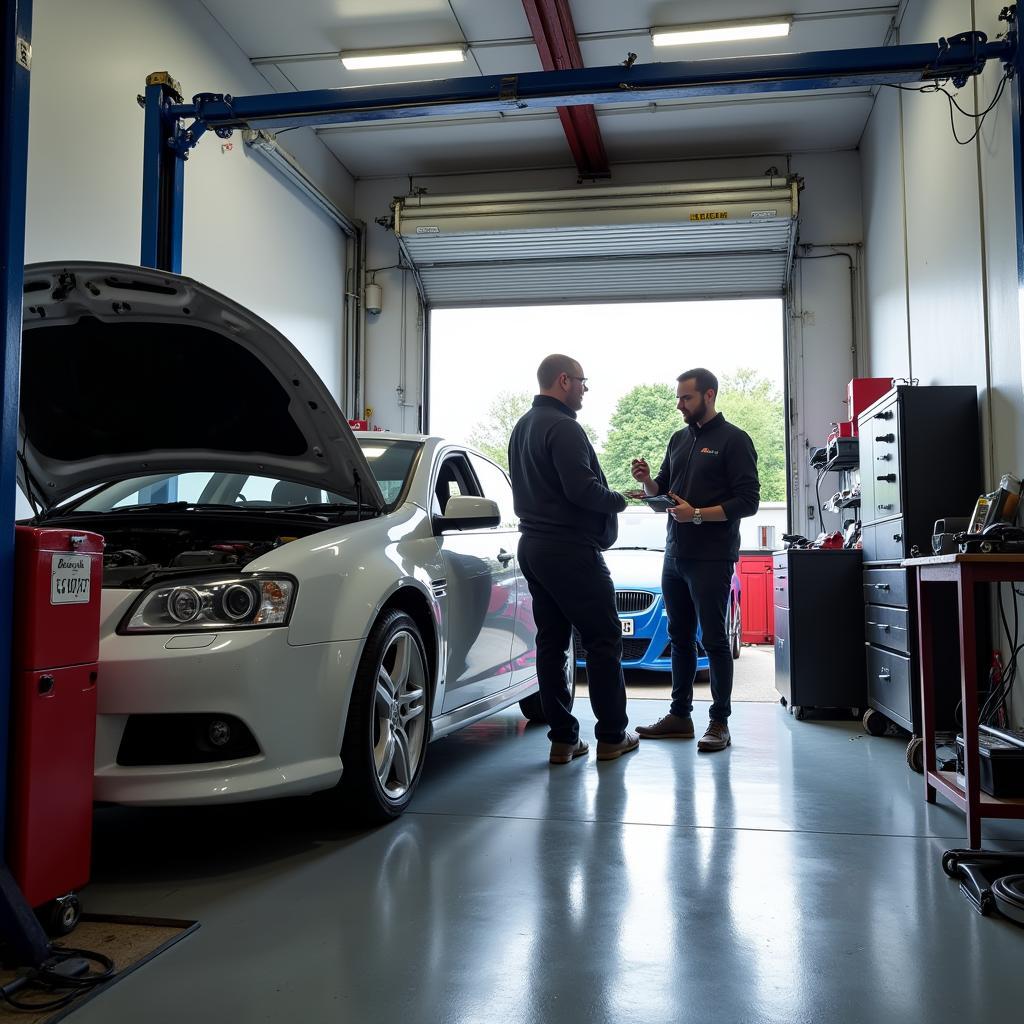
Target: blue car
[{"x": 635, "y": 564}]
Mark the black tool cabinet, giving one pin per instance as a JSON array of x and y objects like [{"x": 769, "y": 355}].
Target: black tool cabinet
[
  {"x": 920, "y": 460},
  {"x": 819, "y": 643}
]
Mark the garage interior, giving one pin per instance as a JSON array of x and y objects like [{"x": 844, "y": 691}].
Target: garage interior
[{"x": 799, "y": 875}]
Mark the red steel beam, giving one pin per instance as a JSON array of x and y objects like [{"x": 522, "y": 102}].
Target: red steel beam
[{"x": 555, "y": 35}]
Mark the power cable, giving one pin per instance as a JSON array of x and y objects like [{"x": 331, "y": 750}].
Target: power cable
[
  {"x": 979, "y": 117},
  {"x": 50, "y": 979}
]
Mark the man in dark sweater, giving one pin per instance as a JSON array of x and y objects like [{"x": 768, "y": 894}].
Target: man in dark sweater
[
  {"x": 710, "y": 472},
  {"x": 567, "y": 516}
]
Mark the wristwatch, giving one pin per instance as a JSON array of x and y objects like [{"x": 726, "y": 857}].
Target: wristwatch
[{"x": 697, "y": 517}]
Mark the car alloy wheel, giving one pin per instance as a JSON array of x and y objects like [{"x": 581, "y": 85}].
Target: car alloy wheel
[
  {"x": 400, "y": 712},
  {"x": 387, "y": 728},
  {"x": 735, "y": 629}
]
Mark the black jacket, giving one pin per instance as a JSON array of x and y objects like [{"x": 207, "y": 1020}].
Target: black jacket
[
  {"x": 711, "y": 465},
  {"x": 559, "y": 490}
]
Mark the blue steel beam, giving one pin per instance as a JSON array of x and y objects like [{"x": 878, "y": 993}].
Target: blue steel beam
[
  {"x": 956, "y": 59},
  {"x": 18, "y": 925}
]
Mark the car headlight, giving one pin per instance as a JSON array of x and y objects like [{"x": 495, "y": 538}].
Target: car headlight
[{"x": 243, "y": 602}]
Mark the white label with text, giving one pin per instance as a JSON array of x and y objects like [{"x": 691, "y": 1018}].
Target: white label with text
[{"x": 69, "y": 578}]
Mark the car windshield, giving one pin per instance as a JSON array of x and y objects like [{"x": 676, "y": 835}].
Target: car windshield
[
  {"x": 390, "y": 461},
  {"x": 643, "y": 528},
  {"x": 206, "y": 488}
]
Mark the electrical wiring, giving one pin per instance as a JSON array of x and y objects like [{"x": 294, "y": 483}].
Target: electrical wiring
[
  {"x": 817, "y": 496},
  {"x": 998, "y": 698},
  {"x": 979, "y": 117},
  {"x": 48, "y": 980}
]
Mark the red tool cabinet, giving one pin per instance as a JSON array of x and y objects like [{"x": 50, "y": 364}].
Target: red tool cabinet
[{"x": 58, "y": 579}]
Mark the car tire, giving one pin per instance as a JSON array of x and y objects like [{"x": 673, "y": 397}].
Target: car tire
[
  {"x": 531, "y": 706},
  {"x": 388, "y": 723},
  {"x": 735, "y": 629}
]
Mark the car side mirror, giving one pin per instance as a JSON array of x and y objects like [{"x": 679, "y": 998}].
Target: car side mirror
[{"x": 467, "y": 512}]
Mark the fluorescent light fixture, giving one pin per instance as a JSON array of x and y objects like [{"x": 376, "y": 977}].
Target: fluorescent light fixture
[
  {"x": 403, "y": 56},
  {"x": 721, "y": 32}
]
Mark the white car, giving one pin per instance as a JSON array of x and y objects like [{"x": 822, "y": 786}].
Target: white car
[{"x": 286, "y": 607}]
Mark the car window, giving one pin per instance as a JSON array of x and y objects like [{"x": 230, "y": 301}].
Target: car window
[
  {"x": 496, "y": 486},
  {"x": 453, "y": 478}
]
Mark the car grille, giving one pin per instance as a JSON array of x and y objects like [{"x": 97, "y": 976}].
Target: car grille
[
  {"x": 633, "y": 601},
  {"x": 633, "y": 647}
]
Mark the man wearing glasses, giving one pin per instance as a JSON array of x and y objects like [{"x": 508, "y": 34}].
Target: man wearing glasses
[{"x": 567, "y": 517}]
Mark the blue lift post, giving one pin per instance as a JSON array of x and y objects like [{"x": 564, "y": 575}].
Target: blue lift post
[
  {"x": 18, "y": 923},
  {"x": 163, "y": 177}
]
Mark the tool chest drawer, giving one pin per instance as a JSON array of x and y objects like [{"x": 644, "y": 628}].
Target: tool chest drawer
[
  {"x": 886, "y": 586},
  {"x": 885, "y": 626}
]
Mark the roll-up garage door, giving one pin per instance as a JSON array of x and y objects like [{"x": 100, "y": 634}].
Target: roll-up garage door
[{"x": 686, "y": 240}]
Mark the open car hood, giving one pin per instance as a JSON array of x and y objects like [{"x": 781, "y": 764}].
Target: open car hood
[{"x": 127, "y": 371}]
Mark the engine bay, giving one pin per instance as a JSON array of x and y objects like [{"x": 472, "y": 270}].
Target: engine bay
[{"x": 138, "y": 555}]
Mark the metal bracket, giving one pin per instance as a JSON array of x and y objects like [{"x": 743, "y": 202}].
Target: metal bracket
[{"x": 163, "y": 78}]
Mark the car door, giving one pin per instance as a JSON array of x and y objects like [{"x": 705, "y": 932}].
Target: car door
[
  {"x": 480, "y": 569},
  {"x": 524, "y": 640}
]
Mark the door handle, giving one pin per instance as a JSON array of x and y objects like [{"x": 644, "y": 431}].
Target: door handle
[
  {"x": 888, "y": 438},
  {"x": 885, "y": 675},
  {"x": 884, "y": 458},
  {"x": 504, "y": 557},
  {"x": 889, "y": 478},
  {"x": 881, "y": 586},
  {"x": 886, "y": 507}
]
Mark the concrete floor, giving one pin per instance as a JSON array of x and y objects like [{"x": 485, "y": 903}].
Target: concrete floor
[{"x": 793, "y": 878}]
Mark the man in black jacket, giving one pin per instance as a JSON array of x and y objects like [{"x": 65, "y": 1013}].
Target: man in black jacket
[
  {"x": 567, "y": 516},
  {"x": 710, "y": 472}
]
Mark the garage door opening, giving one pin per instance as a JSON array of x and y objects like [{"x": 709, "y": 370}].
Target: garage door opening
[
  {"x": 482, "y": 370},
  {"x": 483, "y": 363}
]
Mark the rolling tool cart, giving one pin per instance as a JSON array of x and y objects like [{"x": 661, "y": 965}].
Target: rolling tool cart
[
  {"x": 58, "y": 579},
  {"x": 920, "y": 458}
]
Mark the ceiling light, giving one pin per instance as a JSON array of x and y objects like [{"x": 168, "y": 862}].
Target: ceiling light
[
  {"x": 721, "y": 32},
  {"x": 403, "y": 56}
]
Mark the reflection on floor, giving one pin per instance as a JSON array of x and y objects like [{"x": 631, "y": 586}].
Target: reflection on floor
[
  {"x": 793, "y": 878},
  {"x": 753, "y": 680}
]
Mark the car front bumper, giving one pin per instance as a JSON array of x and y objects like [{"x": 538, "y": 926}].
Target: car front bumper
[{"x": 293, "y": 699}]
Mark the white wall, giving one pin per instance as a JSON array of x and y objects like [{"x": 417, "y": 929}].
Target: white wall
[
  {"x": 941, "y": 262},
  {"x": 821, "y": 360},
  {"x": 246, "y": 233}
]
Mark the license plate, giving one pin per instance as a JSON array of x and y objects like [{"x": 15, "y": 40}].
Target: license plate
[
  {"x": 627, "y": 627},
  {"x": 69, "y": 579}
]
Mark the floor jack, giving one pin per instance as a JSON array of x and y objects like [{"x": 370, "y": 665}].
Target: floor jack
[{"x": 991, "y": 881}]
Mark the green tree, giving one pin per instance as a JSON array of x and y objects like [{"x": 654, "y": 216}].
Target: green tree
[
  {"x": 491, "y": 434},
  {"x": 643, "y": 421},
  {"x": 646, "y": 417},
  {"x": 754, "y": 403}
]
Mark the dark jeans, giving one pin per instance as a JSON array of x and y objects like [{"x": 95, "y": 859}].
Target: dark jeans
[
  {"x": 571, "y": 586},
  {"x": 697, "y": 591}
]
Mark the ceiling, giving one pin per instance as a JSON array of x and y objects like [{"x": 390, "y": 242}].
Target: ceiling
[{"x": 295, "y": 47}]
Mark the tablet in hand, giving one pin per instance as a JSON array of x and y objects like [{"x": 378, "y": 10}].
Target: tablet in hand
[{"x": 660, "y": 502}]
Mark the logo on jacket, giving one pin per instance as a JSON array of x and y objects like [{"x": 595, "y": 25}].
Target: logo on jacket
[{"x": 709, "y": 451}]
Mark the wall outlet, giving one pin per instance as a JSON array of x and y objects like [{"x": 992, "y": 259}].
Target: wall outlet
[{"x": 810, "y": 513}]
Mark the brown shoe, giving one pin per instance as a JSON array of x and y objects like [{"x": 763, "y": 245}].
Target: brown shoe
[
  {"x": 610, "y": 751},
  {"x": 670, "y": 727},
  {"x": 716, "y": 738},
  {"x": 563, "y": 753}
]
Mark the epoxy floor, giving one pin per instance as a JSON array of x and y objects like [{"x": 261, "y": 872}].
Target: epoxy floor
[{"x": 793, "y": 878}]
